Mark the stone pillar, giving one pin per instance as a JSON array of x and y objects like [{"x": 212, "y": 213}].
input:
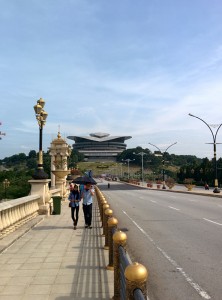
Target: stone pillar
[
  {"x": 59, "y": 151},
  {"x": 41, "y": 187}
]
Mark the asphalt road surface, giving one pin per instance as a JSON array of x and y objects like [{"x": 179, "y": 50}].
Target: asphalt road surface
[{"x": 178, "y": 237}]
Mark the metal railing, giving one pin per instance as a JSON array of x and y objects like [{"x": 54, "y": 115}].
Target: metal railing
[
  {"x": 124, "y": 262},
  {"x": 129, "y": 278}
]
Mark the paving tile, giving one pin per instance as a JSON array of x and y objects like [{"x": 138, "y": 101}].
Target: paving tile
[
  {"x": 30, "y": 266},
  {"x": 11, "y": 297},
  {"x": 20, "y": 280},
  {"x": 38, "y": 289},
  {"x": 47, "y": 272},
  {"x": 36, "y": 297},
  {"x": 13, "y": 290},
  {"x": 8, "y": 267},
  {"x": 44, "y": 280}
]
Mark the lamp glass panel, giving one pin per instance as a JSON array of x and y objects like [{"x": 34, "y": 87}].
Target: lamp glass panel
[
  {"x": 37, "y": 109},
  {"x": 41, "y": 102}
]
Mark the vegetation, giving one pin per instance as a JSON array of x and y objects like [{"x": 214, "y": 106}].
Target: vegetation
[{"x": 18, "y": 168}]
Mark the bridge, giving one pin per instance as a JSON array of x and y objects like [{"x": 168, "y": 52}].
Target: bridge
[{"x": 42, "y": 257}]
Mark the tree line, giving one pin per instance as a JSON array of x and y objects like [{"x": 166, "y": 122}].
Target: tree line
[
  {"x": 18, "y": 168},
  {"x": 178, "y": 167}
]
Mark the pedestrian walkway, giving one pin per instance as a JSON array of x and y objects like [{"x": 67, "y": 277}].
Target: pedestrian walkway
[{"x": 53, "y": 261}]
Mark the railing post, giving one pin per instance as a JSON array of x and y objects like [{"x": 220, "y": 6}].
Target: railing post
[
  {"x": 136, "y": 278},
  {"x": 101, "y": 201},
  {"x": 104, "y": 207},
  {"x": 108, "y": 214},
  {"x": 119, "y": 239},
  {"x": 112, "y": 225}
]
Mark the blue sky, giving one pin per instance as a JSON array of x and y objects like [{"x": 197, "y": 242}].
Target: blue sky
[{"x": 122, "y": 67}]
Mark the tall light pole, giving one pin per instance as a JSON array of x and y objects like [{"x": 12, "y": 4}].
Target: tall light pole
[
  {"x": 216, "y": 189},
  {"x": 142, "y": 154},
  {"x": 121, "y": 169},
  {"x": 163, "y": 161},
  {"x": 41, "y": 116},
  {"x": 128, "y": 160}
]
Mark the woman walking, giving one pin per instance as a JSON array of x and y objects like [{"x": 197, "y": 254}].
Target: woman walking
[{"x": 74, "y": 204}]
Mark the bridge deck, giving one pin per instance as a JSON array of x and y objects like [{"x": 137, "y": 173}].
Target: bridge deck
[{"x": 53, "y": 261}]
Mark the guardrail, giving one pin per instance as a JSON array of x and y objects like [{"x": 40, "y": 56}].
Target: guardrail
[
  {"x": 17, "y": 212},
  {"x": 130, "y": 279}
]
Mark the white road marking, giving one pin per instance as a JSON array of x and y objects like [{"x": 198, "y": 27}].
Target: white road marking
[
  {"x": 196, "y": 286},
  {"x": 152, "y": 201},
  {"x": 173, "y": 208},
  {"x": 212, "y": 222},
  {"x": 219, "y": 205}
]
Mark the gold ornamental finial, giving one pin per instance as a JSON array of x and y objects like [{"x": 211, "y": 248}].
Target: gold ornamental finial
[
  {"x": 112, "y": 222},
  {"x": 136, "y": 272},
  {"x": 59, "y": 135},
  {"x": 108, "y": 212},
  {"x": 120, "y": 237}
]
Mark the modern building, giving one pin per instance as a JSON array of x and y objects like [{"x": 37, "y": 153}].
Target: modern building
[{"x": 99, "y": 146}]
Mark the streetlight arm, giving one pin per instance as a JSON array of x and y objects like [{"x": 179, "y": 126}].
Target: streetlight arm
[
  {"x": 217, "y": 131},
  {"x": 205, "y": 124},
  {"x": 170, "y": 146},
  {"x": 155, "y": 146}
]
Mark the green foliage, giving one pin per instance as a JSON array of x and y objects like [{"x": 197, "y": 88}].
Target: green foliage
[
  {"x": 74, "y": 158},
  {"x": 19, "y": 186},
  {"x": 178, "y": 167},
  {"x": 19, "y": 168}
]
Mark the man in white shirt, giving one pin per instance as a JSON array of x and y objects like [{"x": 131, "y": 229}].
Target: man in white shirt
[{"x": 87, "y": 196}]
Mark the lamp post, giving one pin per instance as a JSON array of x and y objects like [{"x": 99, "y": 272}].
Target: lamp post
[
  {"x": 216, "y": 189},
  {"x": 128, "y": 160},
  {"x": 41, "y": 116},
  {"x": 142, "y": 154},
  {"x": 121, "y": 169},
  {"x": 6, "y": 184},
  {"x": 163, "y": 161}
]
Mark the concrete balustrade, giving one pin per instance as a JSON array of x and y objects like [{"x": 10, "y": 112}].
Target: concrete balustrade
[{"x": 16, "y": 212}]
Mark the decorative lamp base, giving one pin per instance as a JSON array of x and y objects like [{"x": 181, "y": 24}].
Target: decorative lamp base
[{"x": 40, "y": 174}]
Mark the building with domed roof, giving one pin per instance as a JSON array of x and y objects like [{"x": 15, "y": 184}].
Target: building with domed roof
[{"x": 99, "y": 146}]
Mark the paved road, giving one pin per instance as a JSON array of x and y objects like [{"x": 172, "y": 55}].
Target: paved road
[{"x": 178, "y": 237}]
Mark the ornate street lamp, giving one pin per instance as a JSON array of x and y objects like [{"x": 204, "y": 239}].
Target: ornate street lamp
[
  {"x": 6, "y": 184},
  {"x": 41, "y": 116},
  {"x": 163, "y": 161},
  {"x": 128, "y": 160},
  {"x": 216, "y": 189}
]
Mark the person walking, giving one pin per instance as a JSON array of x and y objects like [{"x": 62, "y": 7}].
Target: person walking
[
  {"x": 74, "y": 198},
  {"x": 87, "y": 196}
]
